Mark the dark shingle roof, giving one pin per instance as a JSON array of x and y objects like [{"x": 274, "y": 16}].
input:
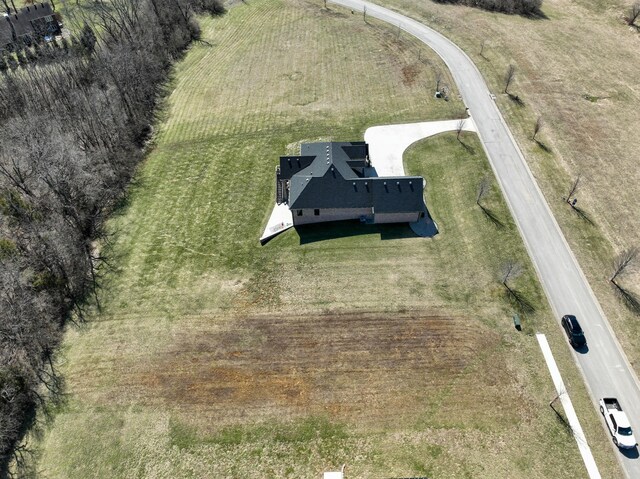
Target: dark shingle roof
[
  {"x": 397, "y": 194},
  {"x": 329, "y": 191},
  {"x": 290, "y": 165},
  {"x": 326, "y": 155},
  {"x": 330, "y": 182},
  {"x": 6, "y": 36},
  {"x": 22, "y": 22}
]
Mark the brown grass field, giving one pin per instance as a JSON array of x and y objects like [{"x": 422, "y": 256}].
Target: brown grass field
[
  {"x": 577, "y": 69},
  {"x": 336, "y": 364},
  {"x": 215, "y": 357}
]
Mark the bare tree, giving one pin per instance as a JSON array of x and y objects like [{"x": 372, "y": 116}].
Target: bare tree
[
  {"x": 572, "y": 191},
  {"x": 88, "y": 39},
  {"x": 510, "y": 271},
  {"x": 482, "y": 48},
  {"x": 483, "y": 189},
  {"x": 525, "y": 7},
  {"x": 438, "y": 76},
  {"x": 623, "y": 262},
  {"x": 633, "y": 14},
  {"x": 537, "y": 127},
  {"x": 508, "y": 77},
  {"x": 572, "y": 200},
  {"x": 364, "y": 14}
]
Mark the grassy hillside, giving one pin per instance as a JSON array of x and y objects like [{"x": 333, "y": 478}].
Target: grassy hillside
[
  {"x": 215, "y": 357},
  {"x": 577, "y": 69}
]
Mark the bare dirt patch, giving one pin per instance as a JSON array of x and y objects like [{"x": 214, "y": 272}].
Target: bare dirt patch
[
  {"x": 409, "y": 74},
  {"x": 352, "y": 366}
]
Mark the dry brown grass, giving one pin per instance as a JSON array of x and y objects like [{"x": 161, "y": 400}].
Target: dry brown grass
[
  {"x": 578, "y": 70},
  {"x": 366, "y": 368}
]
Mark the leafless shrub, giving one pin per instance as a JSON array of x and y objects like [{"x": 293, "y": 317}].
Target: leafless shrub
[
  {"x": 509, "y": 77},
  {"x": 483, "y": 189},
  {"x": 572, "y": 191},
  {"x": 522, "y": 7},
  {"x": 537, "y": 127},
  {"x": 633, "y": 14},
  {"x": 623, "y": 263},
  {"x": 509, "y": 272}
]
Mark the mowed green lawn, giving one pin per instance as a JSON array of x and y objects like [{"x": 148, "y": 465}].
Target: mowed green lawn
[{"x": 213, "y": 356}]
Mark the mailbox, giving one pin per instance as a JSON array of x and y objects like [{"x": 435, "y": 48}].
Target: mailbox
[{"x": 516, "y": 322}]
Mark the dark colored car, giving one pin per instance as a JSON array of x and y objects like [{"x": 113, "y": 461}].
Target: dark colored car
[{"x": 573, "y": 330}]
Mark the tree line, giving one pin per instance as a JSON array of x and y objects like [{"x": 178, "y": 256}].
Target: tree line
[
  {"x": 521, "y": 7},
  {"x": 71, "y": 134}
]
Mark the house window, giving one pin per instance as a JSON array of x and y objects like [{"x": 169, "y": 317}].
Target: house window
[
  {"x": 316, "y": 212},
  {"x": 299, "y": 213}
]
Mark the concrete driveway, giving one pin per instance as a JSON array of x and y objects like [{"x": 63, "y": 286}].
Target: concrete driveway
[{"x": 387, "y": 143}]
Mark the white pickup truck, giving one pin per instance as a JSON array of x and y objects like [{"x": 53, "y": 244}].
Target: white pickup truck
[{"x": 618, "y": 423}]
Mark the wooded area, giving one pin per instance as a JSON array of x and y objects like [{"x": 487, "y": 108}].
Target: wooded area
[
  {"x": 523, "y": 7},
  {"x": 71, "y": 134}
]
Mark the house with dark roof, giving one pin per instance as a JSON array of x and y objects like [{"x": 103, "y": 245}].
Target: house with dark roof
[
  {"x": 30, "y": 24},
  {"x": 332, "y": 181}
]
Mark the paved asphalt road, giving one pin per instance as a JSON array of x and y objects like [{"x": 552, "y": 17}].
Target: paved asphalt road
[{"x": 605, "y": 367}]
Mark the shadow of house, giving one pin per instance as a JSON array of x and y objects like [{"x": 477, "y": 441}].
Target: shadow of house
[
  {"x": 329, "y": 182},
  {"x": 316, "y": 232},
  {"x": 33, "y": 23}
]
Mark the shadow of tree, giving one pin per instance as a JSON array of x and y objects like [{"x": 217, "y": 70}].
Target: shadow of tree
[
  {"x": 563, "y": 420},
  {"x": 491, "y": 216},
  {"x": 543, "y": 146},
  {"x": 19, "y": 461},
  {"x": 581, "y": 213},
  {"x": 629, "y": 298},
  {"x": 519, "y": 301},
  {"x": 536, "y": 14},
  {"x": 516, "y": 99},
  {"x": 468, "y": 148}
]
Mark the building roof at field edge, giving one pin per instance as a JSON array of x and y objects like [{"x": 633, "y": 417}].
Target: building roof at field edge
[
  {"x": 326, "y": 176},
  {"x": 6, "y": 35},
  {"x": 20, "y": 21}
]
